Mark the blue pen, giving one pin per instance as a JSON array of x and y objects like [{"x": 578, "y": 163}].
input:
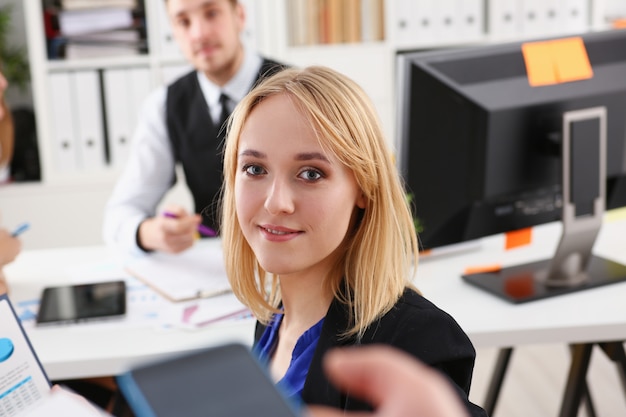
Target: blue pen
[
  {"x": 206, "y": 231},
  {"x": 20, "y": 229}
]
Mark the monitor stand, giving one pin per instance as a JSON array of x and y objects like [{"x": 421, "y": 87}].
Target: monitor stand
[{"x": 573, "y": 267}]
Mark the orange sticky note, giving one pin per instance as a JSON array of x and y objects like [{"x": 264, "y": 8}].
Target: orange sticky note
[
  {"x": 557, "y": 61},
  {"x": 518, "y": 238},
  {"x": 619, "y": 23},
  {"x": 482, "y": 269},
  {"x": 539, "y": 63},
  {"x": 571, "y": 60}
]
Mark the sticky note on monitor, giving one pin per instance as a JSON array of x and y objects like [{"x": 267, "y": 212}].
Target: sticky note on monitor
[{"x": 556, "y": 61}]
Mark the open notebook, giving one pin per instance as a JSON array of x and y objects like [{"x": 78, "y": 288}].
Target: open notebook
[{"x": 196, "y": 273}]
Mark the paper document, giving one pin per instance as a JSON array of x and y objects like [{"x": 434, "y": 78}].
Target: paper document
[
  {"x": 196, "y": 273},
  {"x": 24, "y": 384},
  {"x": 198, "y": 314},
  {"x": 60, "y": 402}
]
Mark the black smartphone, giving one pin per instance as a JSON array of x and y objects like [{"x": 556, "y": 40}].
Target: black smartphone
[
  {"x": 82, "y": 302},
  {"x": 225, "y": 381}
]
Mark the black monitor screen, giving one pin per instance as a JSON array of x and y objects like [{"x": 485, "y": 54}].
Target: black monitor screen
[{"x": 479, "y": 148}]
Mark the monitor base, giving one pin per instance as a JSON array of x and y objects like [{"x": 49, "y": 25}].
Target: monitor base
[{"x": 523, "y": 283}]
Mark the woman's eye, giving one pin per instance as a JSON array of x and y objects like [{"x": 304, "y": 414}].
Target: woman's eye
[
  {"x": 254, "y": 170},
  {"x": 310, "y": 175}
]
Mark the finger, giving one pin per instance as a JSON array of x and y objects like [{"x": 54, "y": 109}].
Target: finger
[
  {"x": 369, "y": 373},
  {"x": 183, "y": 225},
  {"x": 176, "y": 210}
]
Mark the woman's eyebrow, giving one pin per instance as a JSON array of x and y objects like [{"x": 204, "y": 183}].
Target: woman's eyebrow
[
  {"x": 253, "y": 153},
  {"x": 308, "y": 156}
]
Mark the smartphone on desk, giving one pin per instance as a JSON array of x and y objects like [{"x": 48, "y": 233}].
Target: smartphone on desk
[{"x": 82, "y": 302}]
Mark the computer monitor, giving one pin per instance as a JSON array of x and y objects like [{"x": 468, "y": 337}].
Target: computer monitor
[{"x": 482, "y": 152}]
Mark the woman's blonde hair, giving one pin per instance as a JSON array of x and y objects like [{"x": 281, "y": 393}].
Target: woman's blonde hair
[{"x": 381, "y": 253}]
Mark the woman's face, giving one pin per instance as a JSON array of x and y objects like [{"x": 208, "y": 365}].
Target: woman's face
[{"x": 294, "y": 201}]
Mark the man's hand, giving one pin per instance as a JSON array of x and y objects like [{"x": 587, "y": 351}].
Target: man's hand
[
  {"x": 394, "y": 383},
  {"x": 171, "y": 234}
]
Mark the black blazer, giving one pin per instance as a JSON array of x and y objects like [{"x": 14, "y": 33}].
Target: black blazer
[{"x": 414, "y": 325}]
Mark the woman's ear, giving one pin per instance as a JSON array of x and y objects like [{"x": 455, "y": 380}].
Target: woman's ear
[{"x": 361, "y": 200}]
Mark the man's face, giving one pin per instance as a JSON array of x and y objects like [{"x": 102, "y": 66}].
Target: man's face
[{"x": 208, "y": 33}]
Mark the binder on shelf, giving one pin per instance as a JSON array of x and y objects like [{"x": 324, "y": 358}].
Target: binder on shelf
[
  {"x": 88, "y": 111},
  {"x": 118, "y": 109},
  {"x": 124, "y": 91},
  {"x": 63, "y": 131},
  {"x": 504, "y": 19},
  {"x": 446, "y": 20},
  {"x": 537, "y": 15},
  {"x": 471, "y": 17},
  {"x": 577, "y": 15},
  {"x": 416, "y": 22}
]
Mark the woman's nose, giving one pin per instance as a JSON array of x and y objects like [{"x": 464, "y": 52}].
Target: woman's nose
[{"x": 279, "y": 198}]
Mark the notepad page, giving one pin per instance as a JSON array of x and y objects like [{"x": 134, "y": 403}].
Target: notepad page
[{"x": 196, "y": 273}]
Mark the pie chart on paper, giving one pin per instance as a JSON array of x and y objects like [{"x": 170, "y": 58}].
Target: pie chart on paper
[{"x": 6, "y": 349}]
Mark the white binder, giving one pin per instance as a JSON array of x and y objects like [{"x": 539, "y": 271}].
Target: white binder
[
  {"x": 124, "y": 92},
  {"x": 504, "y": 19},
  {"x": 118, "y": 109},
  {"x": 90, "y": 132},
  {"x": 576, "y": 15},
  {"x": 416, "y": 22},
  {"x": 66, "y": 156},
  {"x": 471, "y": 15}
]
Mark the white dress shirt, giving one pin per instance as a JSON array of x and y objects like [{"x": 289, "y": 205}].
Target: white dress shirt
[{"x": 150, "y": 169}]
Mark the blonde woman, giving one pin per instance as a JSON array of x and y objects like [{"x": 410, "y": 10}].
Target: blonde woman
[{"x": 318, "y": 238}]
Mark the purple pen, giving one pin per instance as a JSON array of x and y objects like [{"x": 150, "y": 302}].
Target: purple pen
[{"x": 204, "y": 230}]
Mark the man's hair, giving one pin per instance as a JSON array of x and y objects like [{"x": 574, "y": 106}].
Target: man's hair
[{"x": 379, "y": 254}]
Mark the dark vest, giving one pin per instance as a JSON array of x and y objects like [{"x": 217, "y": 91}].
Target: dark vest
[{"x": 197, "y": 142}]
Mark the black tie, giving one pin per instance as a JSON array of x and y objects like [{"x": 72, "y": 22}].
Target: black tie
[
  {"x": 225, "y": 112},
  {"x": 221, "y": 127}
]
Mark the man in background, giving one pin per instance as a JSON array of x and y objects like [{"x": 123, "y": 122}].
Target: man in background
[{"x": 183, "y": 123}]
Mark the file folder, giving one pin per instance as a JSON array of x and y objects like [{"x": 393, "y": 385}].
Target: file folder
[
  {"x": 66, "y": 158},
  {"x": 118, "y": 108},
  {"x": 90, "y": 132}
]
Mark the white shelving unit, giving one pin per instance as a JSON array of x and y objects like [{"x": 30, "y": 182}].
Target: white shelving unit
[{"x": 65, "y": 208}]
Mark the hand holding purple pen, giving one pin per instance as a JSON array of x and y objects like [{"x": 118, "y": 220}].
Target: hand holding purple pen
[{"x": 202, "y": 229}]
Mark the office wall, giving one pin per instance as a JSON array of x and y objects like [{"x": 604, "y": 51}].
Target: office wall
[{"x": 66, "y": 215}]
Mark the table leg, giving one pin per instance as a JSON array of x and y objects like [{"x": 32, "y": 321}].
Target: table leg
[
  {"x": 576, "y": 386},
  {"x": 615, "y": 352},
  {"x": 502, "y": 363}
]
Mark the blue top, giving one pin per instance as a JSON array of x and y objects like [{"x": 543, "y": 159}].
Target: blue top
[{"x": 293, "y": 381}]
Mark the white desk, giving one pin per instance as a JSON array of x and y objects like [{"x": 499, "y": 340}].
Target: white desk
[
  {"x": 79, "y": 351},
  {"x": 594, "y": 315}
]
